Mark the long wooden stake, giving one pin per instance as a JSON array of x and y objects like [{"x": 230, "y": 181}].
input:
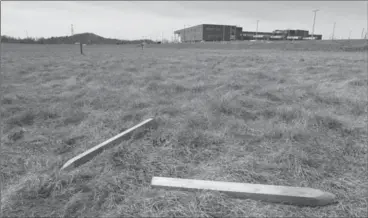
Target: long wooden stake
[
  {"x": 89, "y": 154},
  {"x": 277, "y": 194}
]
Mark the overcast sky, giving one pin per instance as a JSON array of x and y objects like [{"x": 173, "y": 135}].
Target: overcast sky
[{"x": 133, "y": 20}]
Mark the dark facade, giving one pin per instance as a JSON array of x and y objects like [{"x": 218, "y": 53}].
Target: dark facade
[
  {"x": 302, "y": 33},
  {"x": 213, "y": 32},
  {"x": 210, "y": 32}
]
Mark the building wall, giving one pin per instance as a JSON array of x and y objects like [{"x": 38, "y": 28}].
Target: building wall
[
  {"x": 191, "y": 34},
  {"x": 250, "y": 35},
  {"x": 239, "y": 35},
  {"x": 207, "y": 32},
  {"x": 317, "y": 36},
  {"x": 280, "y": 34},
  {"x": 221, "y": 32},
  {"x": 214, "y": 32},
  {"x": 302, "y": 33}
]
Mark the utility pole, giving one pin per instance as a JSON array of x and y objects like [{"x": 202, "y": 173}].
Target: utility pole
[
  {"x": 257, "y": 28},
  {"x": 333, "y": 31},
  {"x": 349, "y": 34},
  {"x": 223, "y": 33},
  {"x": 183, "y": 38},
  {"x": 173, "y": 36},
  {"x": 363, "y": 33},
  {"x": 314, "y": 21},
  {"x": 27, "y": 34},
  {"x": 72, "y": 29}
]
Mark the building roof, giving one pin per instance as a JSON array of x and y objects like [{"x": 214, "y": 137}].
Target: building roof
[
  {"x": 180, "y": 30},
  {"x": 259, "y": 33}
]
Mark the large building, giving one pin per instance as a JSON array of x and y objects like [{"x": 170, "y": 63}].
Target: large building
[
  {"x": 214, "y": 32},
  {"x": 209, "y": 32}
]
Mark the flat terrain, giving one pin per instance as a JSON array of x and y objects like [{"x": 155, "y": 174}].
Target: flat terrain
[
  {"x": 303, "y": 45},
  {"x": 265, "y": 116}
]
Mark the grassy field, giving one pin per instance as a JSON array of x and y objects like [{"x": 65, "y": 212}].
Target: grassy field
[
  {"x": 353, "y": 45},
  {"x": 263, "y": 116}
]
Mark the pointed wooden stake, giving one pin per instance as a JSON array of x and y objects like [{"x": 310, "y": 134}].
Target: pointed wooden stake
[
  {"x": 277, "y": 194},
  {"x": 91, "y": 153}
]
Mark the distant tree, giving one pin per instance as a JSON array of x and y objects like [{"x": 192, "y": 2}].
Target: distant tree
[{"x": 41, "y": 40}]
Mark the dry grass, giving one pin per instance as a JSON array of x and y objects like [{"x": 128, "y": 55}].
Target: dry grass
[
  {"x": 258, "y": 116},
  {"x": 353, "y": 45}
]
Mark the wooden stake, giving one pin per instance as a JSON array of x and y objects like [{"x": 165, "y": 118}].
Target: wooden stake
[
  {"x": 81, "y": 48},
  {"x": 277, "y": 194},
  {"x": 91, "y": 153}
]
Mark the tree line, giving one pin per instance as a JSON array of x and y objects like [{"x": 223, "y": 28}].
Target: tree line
[{"x": 85, "y": 38}]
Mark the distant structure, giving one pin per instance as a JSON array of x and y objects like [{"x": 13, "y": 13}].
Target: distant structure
[
  {"x": 214, "y": 32},
  {"x": 72, "y": 30},
  {"x": 333, "y": 31},
  {"x": 314, "y": 20},
  {"x": 209, "y": 32}
]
